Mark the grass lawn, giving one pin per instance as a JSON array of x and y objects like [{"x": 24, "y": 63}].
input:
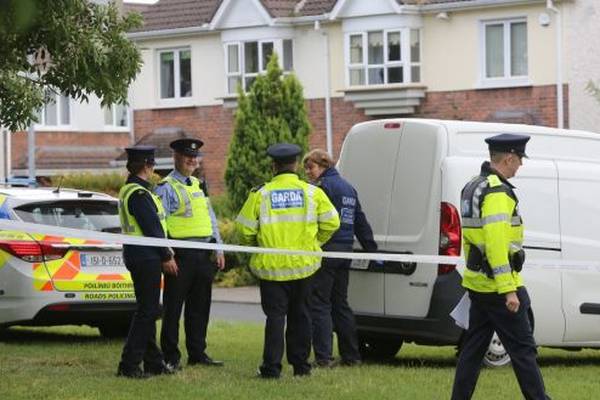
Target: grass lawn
[{"x": 76, "y": 363}]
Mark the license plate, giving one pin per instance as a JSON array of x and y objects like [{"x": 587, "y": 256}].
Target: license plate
[
  {"x": 100, "y": 260},
  {"x": 359, "y": 264}
]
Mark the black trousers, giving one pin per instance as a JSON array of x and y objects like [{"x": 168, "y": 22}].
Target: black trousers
[
  {"x": 192, "y": 287},
  {"x": 141, "y": 340},
  {"x": 330, "y": 311},
  {"x": 488, "y": 313},
  {"x": 280, "y": 300}
]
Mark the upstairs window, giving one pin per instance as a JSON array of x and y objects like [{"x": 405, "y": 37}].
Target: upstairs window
[
  {"x": 116, "y": 116},
  {"x": 175, "y": 73},
  {"x": 246, "y": 60},
  {"x": 384, "y": 57},
  {"x": 56, "y": 111},
  {"x": 504, "y": 50}
]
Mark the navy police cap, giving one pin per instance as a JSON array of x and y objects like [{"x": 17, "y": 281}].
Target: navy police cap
[
  {"x": 187, "y": 146},
  {"x": 141, "y": 153},
  {"x": 508, "y": 143},
  {"x": 284, "y": 152}
]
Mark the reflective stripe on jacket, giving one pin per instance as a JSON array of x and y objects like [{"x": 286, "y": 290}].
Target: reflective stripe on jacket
[
  {"x": 287, "y": 213},
  {"x": 491, "y": 222},
  {"x": 129, "y": 225},
  {"x": 191, "y": 219}
]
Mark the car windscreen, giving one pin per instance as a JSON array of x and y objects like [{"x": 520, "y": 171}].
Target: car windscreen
[{"x": 91, "y": 215}]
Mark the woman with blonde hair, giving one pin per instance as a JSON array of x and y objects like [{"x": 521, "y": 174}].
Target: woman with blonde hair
[{"x": 330, "y": 310}]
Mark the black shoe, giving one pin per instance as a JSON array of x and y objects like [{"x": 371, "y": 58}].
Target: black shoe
[
  {"x": 133, "y": 373},
  {"x": 323, "y": 364},
  {"x": 204, "y": 360},
  {"x": 301, "y": 373},
  {"x": 261, "y": 375},
  {"x": 174, "y": 365},
  {"x": 160, "y": 369},
  {"x": 349, "y": 362}
]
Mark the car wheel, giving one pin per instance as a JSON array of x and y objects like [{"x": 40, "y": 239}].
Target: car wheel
[
  {"x": 378, "y": 348},
  {"x": 115, "y": 329}
]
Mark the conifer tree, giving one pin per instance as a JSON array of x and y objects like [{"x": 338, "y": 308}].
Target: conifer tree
[{"x": 272, "y": 111}]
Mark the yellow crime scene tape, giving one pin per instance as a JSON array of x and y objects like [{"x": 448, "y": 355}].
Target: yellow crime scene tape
[{"x": 583, "y": 265}]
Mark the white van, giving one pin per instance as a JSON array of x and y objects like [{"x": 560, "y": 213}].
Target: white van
[{"x": 409, "y": 174}]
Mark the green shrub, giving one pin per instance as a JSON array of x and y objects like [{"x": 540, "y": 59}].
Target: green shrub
[
  {"x": 236, "y": 272},
  {"x": 223, "y": 207},
  {"x": 109, "y": 183}
]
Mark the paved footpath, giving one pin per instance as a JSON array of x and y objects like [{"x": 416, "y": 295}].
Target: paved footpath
[
  {"x": 237, "y": 304},
  {"x": 243, "y": 295}
]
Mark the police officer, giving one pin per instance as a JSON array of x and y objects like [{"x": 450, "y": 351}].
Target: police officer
[
  {"x": 142, "y": 214},
  {"x": 493, "y": 238},
  {"x": 189, "y": 217},
  {"x": 329, "y": 299},
  {"x": 286, "y": 213}
]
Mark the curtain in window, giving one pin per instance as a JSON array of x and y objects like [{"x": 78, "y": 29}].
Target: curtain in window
[
  {"x": 518, "y": 46},
  {"x": 167, "y": 75},
  {"x": 375, "y": 47},
  {"x": 494, "y": 51},
  {"x": 394, "y": 53},
  {"x": 185, "y": 73}
]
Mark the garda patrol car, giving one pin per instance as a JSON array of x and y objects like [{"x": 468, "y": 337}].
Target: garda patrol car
[{"x": 56, "y": 280}]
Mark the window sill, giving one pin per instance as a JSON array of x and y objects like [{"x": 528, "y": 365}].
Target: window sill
[
  {"x": 503, "y": 83},
  {"x": 110, "y": 128},
  {"x": 382, "y": 88},
  {"x": 55, "y": 128},
  {"x": 176, "y": 103}
]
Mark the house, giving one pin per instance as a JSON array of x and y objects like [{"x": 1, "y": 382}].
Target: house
[
  {"x": 486, "y": 60},
  {"x": 357, "y": 59}
]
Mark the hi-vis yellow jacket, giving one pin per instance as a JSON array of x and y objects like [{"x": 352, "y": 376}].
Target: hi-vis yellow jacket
[
  {"x": 128, "y": 222},
  {"x": 191, "y": 219},
  {"x": 287, "y": 213},
  {"x": 491, "y": 223}
]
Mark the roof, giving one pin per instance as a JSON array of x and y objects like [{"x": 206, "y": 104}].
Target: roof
[
  {"x": 70, "y": 157},
  {"x": 178, "y": 14},
  {"x": 173, "y": 14},
  {"x": 160, "y": 138}
]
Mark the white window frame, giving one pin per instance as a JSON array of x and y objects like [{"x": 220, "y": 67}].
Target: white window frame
[
  {"x": 41, "y": 124},
  {"x": 176, "y": 74},
  {"x": 242, "y": 74},
  {"x": 113, "y": 126},
  {"x": 507, "y": 80},
  {"x": 405, "y": 56}
]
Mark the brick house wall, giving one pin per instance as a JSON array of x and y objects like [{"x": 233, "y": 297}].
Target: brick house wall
[{"x": 214, "y": 124}]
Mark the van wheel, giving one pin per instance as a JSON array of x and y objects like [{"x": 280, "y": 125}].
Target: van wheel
[
  {"x": 114, "y": 329},
  {"x": 496, "y": 355},
  {"x": 378, "y": 349}
]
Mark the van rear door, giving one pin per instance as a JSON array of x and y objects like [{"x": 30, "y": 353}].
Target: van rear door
[
  {"x": 414, "y": 217},
  {"x": 367, "y": 161}
]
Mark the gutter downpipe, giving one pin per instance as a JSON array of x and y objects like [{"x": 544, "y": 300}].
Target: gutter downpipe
[
  {"x": 328, "y": 124},
  {"x": 559, "y": 78}
]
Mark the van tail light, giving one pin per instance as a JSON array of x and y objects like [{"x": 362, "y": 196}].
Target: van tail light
[
  {"x": 450, "y": 236},
  {"x": 392, "y": 125},
  {"x": 33, "y": 252}
]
